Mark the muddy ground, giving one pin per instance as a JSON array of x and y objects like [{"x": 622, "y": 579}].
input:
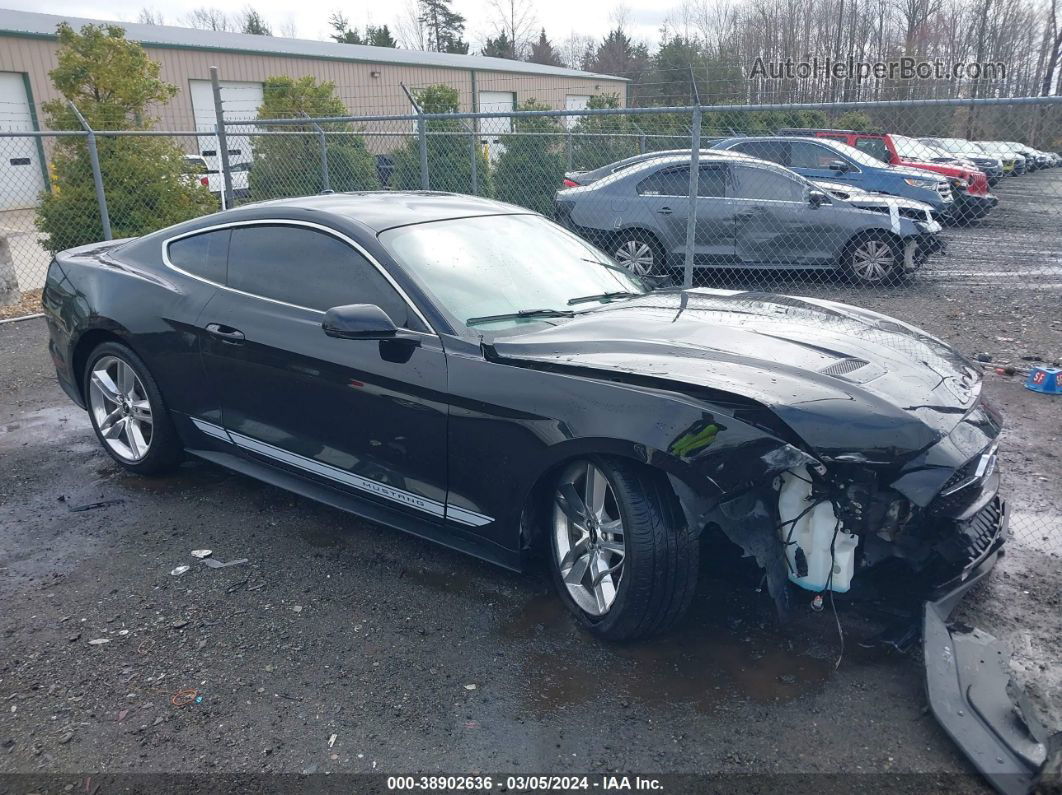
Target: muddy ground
[{"x": 416, "y": 658}]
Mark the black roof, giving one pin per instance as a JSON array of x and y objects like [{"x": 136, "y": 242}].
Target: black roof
[{"x": 378, "y": 210}]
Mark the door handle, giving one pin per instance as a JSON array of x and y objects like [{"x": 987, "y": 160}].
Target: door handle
[
  {"x": 745, "y": 215},
  {"x": 227, "y": 334},
  {"x": 664, "y": 211}
]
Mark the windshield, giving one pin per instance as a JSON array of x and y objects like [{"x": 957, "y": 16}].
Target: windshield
[
  {"x": 916, "y": 150},
  {"x": 485, "y": 268}
]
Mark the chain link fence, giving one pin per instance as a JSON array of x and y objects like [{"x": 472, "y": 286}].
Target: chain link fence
[{"x": 942, "y": 213}]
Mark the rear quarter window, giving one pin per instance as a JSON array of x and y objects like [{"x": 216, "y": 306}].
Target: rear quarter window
[{"x": 204, "y": 255}]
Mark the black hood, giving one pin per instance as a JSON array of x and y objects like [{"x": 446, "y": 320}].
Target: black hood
[{"x": 846, "y": 380}]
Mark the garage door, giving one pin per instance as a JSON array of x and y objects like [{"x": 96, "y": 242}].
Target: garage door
[
  {"x": 239, "y": 101},
  {"x": 21, "y": 177},
  {"x": 575, "y": 102},
  {"x": 493, "y": 130}
]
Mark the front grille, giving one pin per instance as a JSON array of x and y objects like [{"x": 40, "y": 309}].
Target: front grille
[
  {"x": 960, "y": 490},
  {"x": 913, "y": 213},
  {"x": 975, "y": 537}
]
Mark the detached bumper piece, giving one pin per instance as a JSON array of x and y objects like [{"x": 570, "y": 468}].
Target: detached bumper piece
[{"x": 970, "y": 690}]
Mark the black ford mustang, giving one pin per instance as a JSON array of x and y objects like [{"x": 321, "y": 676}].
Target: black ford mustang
[{"x": 472, "y": 373}]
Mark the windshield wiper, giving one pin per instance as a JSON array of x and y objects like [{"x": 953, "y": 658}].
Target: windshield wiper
[
  {"x": 472, "y": 321},
  {"x": 604, "y": 297}
]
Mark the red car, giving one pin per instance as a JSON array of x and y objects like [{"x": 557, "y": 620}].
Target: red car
[{"x": 970, "y": 186}]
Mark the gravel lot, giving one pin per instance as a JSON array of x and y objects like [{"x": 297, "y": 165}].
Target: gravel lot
[{"x": 419, "y": 659}]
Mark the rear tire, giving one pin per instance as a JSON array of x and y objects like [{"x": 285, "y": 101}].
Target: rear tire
[
  {"x": 636, "y": 545},
  {"x": 127, "y": 411}
]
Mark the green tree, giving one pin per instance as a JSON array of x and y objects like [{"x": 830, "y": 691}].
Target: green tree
[
  {"x": 380, "y": 36},
  {"x": 113, "y": 83},
  {"x": 449, "y": 157},
  {"x": 344, "y": 34},
  {"x": 531, "y": 168},
  {"x": 253, "y": 23},
  {"x": 542, "y": 51},
  {"x": 855, "y": 120},
  {"x": 374, "y": 36},
  {"x": 501, "y": 46},
  {"x": 599, "y": 140},
  {"x": 290, "y": 165}
]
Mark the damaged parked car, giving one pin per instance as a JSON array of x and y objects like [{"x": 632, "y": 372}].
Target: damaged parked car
[
  {"x": 750, "y": 214},
  {"x": 474, "y": 374}
]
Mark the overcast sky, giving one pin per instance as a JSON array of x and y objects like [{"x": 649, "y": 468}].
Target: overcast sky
[{"x": 560, "y": 17}]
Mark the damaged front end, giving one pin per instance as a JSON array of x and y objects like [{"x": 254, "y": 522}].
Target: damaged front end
[{"x": 850, "y": 526}]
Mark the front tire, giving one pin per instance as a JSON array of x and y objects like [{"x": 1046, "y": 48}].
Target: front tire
[
  {"x": 127, "y": 411},
  {"x": 640, "y": 253},
  {"x": 622, "y": 559},
  {"x": 874, "y": 260}
]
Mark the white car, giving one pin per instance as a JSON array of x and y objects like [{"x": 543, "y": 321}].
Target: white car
[{"x": 199, "y": 169}]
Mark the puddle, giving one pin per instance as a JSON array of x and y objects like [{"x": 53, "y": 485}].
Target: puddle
[
  {"x": 191, "y": 476},
  {"x": 44, "y": 425},
  {"x": 722, "y": 652}
]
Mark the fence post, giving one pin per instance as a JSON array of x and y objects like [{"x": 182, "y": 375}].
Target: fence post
[
  {"x": 422, "y": 140},
  {"x": 326, "y": 184},
  {"x": 568, "y": 147},
  {"x": 473, "y": 150},
  {"x": 97, "y": 175},
  {"x": 695, "y": 175},
  {"x": 223, "y": 141}
]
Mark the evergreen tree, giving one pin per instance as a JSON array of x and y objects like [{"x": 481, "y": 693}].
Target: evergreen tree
[
  {"x": 542, "y": 51},
  {"x": 600, "y": 140},
  {"x": 531, "y": 168},
  {"x": 499, "y": 47},
  {"x": 344, "y": 34},
  {"x": 449, "y": 156},
  {"x": 380, "y": 36},
  {"x": 445, "y": 28},
  {"x": 114, "y": 84},
  {"x": 374, "y": 36},
  {"x": 290, "y": 165},
  {"x": 254, "y": 23}
]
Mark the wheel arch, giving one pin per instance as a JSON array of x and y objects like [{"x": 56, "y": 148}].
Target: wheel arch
[
  {"x": 877, "y": 232},
  {"x": 88, "y": 341},
  {"x": 674, "y": 476}
]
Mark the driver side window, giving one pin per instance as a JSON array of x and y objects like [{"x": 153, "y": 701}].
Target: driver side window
[{"x": 308, "y": 268}]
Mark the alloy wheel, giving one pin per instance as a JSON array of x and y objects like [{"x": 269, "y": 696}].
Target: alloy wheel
[
  {"x": 636, "y": 256},
  {"x": 873, "y": 261},
  {"x": 588, "y": 538},
  {"x": 121, "y": 408}
]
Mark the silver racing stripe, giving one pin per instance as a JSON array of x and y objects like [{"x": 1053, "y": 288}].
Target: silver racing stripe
[{"x": 374, "y": 487}]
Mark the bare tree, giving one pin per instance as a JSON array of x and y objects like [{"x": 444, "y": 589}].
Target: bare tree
[
  {"x": 150, "y": 16},
  {"x": 575, "y": 49},
  {"x": 288, "y": 28},
  {"x": 515, "y": 19},
  {"x": 412, "y": 32},
  {"x": 209, "y": 18}
]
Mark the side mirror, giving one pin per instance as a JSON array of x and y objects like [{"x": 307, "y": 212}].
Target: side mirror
[
  {"x": 816, "y": 198},
  {"x": 359, "y": 322},
  {"x": 839, "y": 166}
]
